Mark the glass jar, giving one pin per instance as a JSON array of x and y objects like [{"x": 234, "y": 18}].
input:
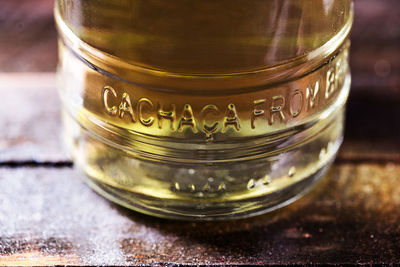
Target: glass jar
[{"x": 202, "y": 110}]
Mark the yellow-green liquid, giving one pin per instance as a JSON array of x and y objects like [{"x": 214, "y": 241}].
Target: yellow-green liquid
[{"x": 203, "y": 109}]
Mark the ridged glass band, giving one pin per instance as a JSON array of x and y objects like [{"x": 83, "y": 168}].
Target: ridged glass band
[{"x": 202, "y": 145}]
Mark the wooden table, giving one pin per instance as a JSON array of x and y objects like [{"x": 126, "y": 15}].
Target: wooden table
[{"x": 49, "y": 216}]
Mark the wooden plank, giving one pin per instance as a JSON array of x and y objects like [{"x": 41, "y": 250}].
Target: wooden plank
[
  {"x": 48, "y": 216},
  {"x": 30, "y": 118},
  {"x": 372, "y": 127},
  {"x": 374, "y": 22},
  {"x": 374, "y": 56},
  {"x": 28, "y": 36}
]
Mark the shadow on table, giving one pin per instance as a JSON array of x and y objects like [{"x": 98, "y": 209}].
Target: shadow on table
[{"x": 336, "y": 222}]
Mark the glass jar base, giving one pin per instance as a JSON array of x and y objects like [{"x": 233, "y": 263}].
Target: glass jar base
[
  {"x": 212, "y": 212},
  {"x": 213, "y": 190}
]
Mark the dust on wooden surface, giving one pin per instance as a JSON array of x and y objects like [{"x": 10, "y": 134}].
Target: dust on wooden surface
[{"x": 352, "y": 215}]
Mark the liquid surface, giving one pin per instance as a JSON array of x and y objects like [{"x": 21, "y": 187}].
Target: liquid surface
[
  {"x": 208, "y": 36},
  {"x": 203, "y": 109}
]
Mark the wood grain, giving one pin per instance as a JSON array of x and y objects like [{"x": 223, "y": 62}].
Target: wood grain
[
  {"x": 30, "y": 119},
  {"x": 351, "y": 217},
  {"x": 28, "y": 36}
]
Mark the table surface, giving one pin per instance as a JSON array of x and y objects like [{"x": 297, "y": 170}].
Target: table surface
[{"x": 49, "y": 216}]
